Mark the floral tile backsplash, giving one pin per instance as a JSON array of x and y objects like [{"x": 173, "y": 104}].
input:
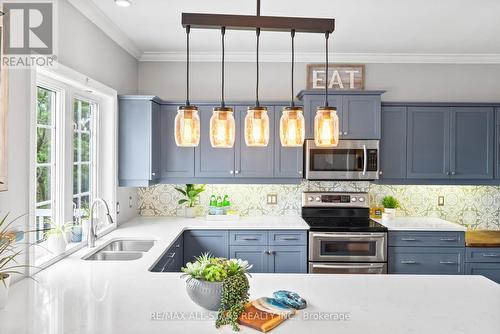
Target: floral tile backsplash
[{"x": 477, "y": 207}]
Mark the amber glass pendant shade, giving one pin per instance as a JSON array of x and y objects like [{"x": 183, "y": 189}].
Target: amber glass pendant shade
[
  {"x": 187, "y": 126},
  {"x": 292, "y": 127},
  {"x": 326, "y": 127},
  {"x": 222, "y": 127},
  {"x": 257, "y": 127}
]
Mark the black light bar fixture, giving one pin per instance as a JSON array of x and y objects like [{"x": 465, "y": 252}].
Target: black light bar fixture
[{"x": 264, "y": 23}]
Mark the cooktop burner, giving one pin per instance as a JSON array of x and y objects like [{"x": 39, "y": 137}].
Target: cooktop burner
[{"x": 334, "y": 225}]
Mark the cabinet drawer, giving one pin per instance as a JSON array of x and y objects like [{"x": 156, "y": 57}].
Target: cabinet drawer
[
  {"x": 431, "y": 260},
  {"x": 488, "y": 270},
  {"x": 285, "y": 238},
  {"x": 257, "y": 238},
  {"x": 426, "y": 239},
  {"x": 482, "y": 254}
]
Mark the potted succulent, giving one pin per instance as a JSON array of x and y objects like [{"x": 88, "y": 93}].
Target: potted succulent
[
  {"x": 57, "y": 238},
  {"x": 390, "y": 204},
  {"x": 219, "y": 284},
  {"x": 190, "y": 193}
]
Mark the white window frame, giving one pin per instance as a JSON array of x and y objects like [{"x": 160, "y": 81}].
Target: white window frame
[{"x": 69, "y": 85}]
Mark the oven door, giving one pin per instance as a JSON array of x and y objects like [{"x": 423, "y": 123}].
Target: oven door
[
  {"x": 348, "y": 246},
  {"x": 347, "y": 268},
  {"x": 349, "y": 160}
]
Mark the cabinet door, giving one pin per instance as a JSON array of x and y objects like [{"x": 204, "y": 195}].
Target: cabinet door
[
  {"x": 155, "y": 141},
  {"x": 253, "y": 161},
  {"x": 488, "y": 270},
  {"x": 361, "y": 117},
  {"x": 426, "y": 260},
  {"x": 288, "y": 161},
  {"x": 393, "y": 143},
  {"x": 311, "y": 104},
  {"x": 210, "y": 161},
  {"x": 288, "y": 259},
  {"x": 255, "y": 255},
  {"x": 178, "y": 249},
  {"x": 428, "y": 142},
  {"x": 201, "y": 241},
  {"x": 497, "y": 143},
  {"x": 472, "y": 143},
  {"x": 176, "y": 161}
]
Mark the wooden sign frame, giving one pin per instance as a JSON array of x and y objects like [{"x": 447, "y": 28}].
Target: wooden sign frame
[{"x": 359, "y": 84}]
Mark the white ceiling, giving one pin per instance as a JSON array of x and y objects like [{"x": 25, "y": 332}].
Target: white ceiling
[{"x": 377, "y": 30}]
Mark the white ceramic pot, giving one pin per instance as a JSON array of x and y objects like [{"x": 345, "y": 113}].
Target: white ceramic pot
[
  {"x": 189, "y": 212},
  {"x": 205, "y": 294},
  {"x": 56, "y": 244},
  {"x": 388, "y": 214},
  {"x": 4, "y": 290}
]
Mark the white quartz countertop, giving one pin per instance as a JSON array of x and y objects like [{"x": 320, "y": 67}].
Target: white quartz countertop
[
  {"x": 78, "y": 296},
  {"x": 420, "y": 224}
]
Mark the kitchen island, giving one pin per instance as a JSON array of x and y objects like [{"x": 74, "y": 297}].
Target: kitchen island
[{"x": 79, "y": 296}]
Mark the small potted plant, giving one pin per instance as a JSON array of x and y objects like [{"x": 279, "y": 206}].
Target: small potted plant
[
  {"x": 57, "y": 238},
  {"x": 390, "y": 204},
  {"x": 219, "y": 284},
  {"x": 190, "y": 193}
]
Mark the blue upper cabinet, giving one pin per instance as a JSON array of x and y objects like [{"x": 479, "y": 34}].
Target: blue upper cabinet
[
  {"x": 175, "y": 161},
  {"x": 472, "y": 143},
  {"x": 393, "y": 143},
  {"x": 210, "y": 161},
  {"x": 139, "y": 140},
  {"x": 311, "y": 104},
  {"x": 253, "y": 162},
  {"x": 361, "y": 117},
  {"x": 288, "y": 161},
  {"x": 428, "y": 142},
  {"x": 497, "y": 143}
]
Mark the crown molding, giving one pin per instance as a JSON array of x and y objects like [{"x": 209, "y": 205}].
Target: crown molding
[
  {"x": 96, "y": 16},
  {"x": 318, "y": 57}
]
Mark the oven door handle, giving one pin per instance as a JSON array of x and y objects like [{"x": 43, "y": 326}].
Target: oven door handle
[
  {"x": 343, "y": 266},
  {"x": 367, "y": 236},
  {"x": 365, "y": 158}
]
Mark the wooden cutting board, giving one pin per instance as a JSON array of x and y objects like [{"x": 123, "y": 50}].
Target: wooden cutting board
[
  {"x": 259, "y": 320},
  {"x": 482, "y": 238}
]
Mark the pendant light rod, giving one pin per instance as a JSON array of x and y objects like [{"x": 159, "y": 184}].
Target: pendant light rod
[
  {"x": 222, "y": 101},
  {"x": 292, "y": 102},
  {"x": 257, "y": 104},
  {"x": 188, "y": 29},
  {"x": 258, "y": 7},
  {"x": 327, "y": 35}
]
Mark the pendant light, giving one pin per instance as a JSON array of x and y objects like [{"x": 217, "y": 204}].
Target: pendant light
[
  {"x": 257, "y": 120},
  {"x": 292, "y": 123},
  {"x": 326, "y": 122},
  {"x": 222, "y": 125},
  {"x": 187, "y": 120}
]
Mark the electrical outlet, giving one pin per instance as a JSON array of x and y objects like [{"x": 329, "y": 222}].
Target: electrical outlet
[
  {"x": 272, "y": 199},
  {"x": 117, "y": 208},
  {"x": 130, "y": 202},
  {"x": 440, "y": 200}
]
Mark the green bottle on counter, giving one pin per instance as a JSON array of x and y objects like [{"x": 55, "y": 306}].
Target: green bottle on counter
[
  {"x": 226, "y": 204},
  {"x": 213, "y": 205}
]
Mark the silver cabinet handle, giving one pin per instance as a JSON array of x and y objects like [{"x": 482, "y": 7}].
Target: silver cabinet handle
[
  {"x": 408, "y": 262},
  {"x": 365, "y": 158},
  {"x": 231, "y": 172},
  {"x": 345, "y": 133},
  {"x": 448, "y": 239},
  {"x": 153, "y": 174},
  {"x": 267, "y": 252},
  {"x": 453, "y": 173},
  {"x": 491, "y": 255},
  {"x": 447, "y": 262},
  {"x": 272, "y": 252},
  {"x": 236, "y": 172},
  {"x": 300, "y": 172},
  {"x": 249, "y": 239},
  {"x": 408, "y": 239},
  {"x": 448, "y": 173},
  {"x": 289, "y": 238},
  {"x": 380, "y": 173}
]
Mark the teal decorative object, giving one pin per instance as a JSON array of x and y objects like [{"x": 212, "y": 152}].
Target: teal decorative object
[{"x": 290, "y": 299}]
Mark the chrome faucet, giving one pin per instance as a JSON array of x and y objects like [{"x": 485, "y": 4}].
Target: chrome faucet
[{"x": 92, "y": 233}]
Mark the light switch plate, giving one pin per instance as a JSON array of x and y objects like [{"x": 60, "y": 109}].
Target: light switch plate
[
  {"x": 272, "y": 199},
  {"x": 440, "y": 200}
]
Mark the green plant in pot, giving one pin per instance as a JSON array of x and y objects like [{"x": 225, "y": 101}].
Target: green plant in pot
[
  {"x": 190, "y": 194},
  {"x": 57, "y": 237},
  {"x": 390, "y": 204},
  {"x": 219, "y": 284}
]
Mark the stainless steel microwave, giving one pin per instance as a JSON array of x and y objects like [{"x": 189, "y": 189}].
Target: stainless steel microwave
[{"x": 349, "y": 160}]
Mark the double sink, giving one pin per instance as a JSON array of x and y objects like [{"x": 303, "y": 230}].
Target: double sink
[{"x": 120, "y": 250}]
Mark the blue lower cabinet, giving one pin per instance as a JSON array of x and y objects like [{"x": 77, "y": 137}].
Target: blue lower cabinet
[
  {"x": 287, "y": 259},
  {"x": 197, "y": 242},
  {"x": 255, "y": 255},
  {"x": 172, "y": 259},
  {"x": 488, "y": 270},
  {"x": 426, "y": 260}
]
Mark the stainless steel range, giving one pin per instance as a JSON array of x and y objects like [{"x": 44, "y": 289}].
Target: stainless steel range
[{"x": 342, "y": 237}]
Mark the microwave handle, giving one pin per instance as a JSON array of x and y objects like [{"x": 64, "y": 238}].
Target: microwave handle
[{"x": 365, "y": 160}]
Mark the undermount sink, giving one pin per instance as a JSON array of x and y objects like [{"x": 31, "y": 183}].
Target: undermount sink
[{"x": 120, "y": 250}]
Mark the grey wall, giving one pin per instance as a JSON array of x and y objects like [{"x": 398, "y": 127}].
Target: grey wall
[
  {"x": 83, "y": 47},
  {"x": 403, "y": 82}
]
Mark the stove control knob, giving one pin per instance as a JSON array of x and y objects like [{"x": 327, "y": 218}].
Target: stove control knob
[
  {"x": 310, "y": 199},
  {"x": 318, "y": 199},
  {"x": 353, "y": 199},
  {"x": 361, "y": 199}
]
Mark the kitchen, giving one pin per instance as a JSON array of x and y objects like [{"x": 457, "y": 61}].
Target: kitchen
[{"x": 433, "y": 259}]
